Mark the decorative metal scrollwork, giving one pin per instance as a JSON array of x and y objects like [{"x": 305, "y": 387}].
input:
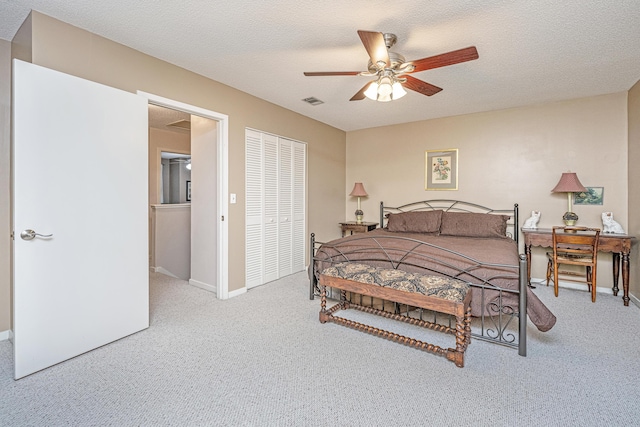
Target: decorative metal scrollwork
[{"x": 503, "y": 317}]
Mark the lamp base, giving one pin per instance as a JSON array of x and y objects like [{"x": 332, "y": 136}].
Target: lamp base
[
  {"x": 359, "y": 216},
  {"x": 569, "y": 218}
]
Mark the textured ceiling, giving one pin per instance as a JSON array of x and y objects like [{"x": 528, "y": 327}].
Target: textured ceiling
[
  {"x": 161, "y": 117},
  {"x": 530, "y": 51}
]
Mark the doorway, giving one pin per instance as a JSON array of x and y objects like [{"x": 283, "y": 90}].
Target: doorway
[
  {"x": 209, "y": 203},
  {"x": 169, "y": 201}
]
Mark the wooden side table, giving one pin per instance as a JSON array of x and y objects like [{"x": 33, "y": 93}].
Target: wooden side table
[{"x": 354, "y": 227}]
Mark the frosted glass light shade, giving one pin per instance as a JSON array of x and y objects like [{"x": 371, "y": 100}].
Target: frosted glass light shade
[
  {"x": 385, "y": 90},
  {"x": 372, "y": 91},
  {"x": 398, "y": 91}
]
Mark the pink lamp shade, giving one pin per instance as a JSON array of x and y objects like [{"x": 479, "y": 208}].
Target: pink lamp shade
[
  {"x": 569, "y": 183},
  {"x": 358, "y": 190}
]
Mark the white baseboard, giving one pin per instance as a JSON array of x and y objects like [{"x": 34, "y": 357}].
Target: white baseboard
[
  {"x": 166, "y": 272},
  {"x": 5, "y": 335},
  {"x": 237, "y": 292},
  {"x": 202, "y": 285},
  {"x": 572, "y": 285},
  {"x": 211, "y": 288}
]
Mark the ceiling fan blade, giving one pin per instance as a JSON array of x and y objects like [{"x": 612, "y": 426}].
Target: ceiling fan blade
[
  {"x": 360, "y": 95},
  {"x": 444, "y": 59},
  {"x": 375, "y": 45},
  {"x": 420, "y": 86},
  {"x": 332, "y": 73}
]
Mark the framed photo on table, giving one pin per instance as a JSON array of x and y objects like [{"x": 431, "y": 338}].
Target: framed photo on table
[
  {"x": 441, "y": 170},
  {"x": 188, "y": 191}
]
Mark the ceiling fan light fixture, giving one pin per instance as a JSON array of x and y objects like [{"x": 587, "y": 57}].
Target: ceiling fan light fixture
[
  {"x": 398, "y": 91},
  {"x": 385, "y": 89},
  {"x": 372, "y": 91}
]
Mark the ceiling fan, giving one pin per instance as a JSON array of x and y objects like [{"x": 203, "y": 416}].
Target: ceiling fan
[{"x": 392, "y": 71}]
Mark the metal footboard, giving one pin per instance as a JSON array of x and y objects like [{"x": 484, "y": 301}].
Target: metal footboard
[{"x": 496, "y": 324}]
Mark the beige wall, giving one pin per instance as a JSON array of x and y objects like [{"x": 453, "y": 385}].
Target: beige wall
[
  {"x": 21, "y": 43},
  {"x": 172, "y": 239},
  {"x": 65, "y": 48},
  {"x": 634, "y": 184},
  {"x": 505, "y": 157},
  {"x": 5, "y": 177}
]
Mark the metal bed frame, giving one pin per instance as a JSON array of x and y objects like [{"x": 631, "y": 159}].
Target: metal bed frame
[{"x": 497, "y": 326}]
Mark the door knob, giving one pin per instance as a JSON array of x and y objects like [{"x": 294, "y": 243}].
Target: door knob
[{"x": 30, "y": 235}]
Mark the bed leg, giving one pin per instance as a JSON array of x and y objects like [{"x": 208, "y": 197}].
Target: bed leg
[
  {"x": 312, "y": 284},
  {"x": 522, "y": 312},
  {"x": 312, "y": 276}
]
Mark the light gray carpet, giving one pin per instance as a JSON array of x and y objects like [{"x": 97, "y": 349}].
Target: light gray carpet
[{"x": 263, "y": 359}]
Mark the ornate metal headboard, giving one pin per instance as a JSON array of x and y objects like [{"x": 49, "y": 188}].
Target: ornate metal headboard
[{"x": 454, "y": 206}]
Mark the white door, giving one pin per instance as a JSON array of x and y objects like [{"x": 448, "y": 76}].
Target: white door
[
  {"x": 299, "y": 206},
  {"x": 285, "y": 205},
  {"x": 79, "y": 174},
  {"x": 254, "y": 175},
  {"x": 271, "y": 206}
]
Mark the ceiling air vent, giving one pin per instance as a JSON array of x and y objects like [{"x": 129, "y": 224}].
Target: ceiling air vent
[
  {"x": 313, "y": 101},
  {"x": 181, "y": 124}
]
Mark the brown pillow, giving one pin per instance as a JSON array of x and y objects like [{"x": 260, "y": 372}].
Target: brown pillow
[
  {"x": 470, "y": 224},
  {"x": 415, "y": 222}
]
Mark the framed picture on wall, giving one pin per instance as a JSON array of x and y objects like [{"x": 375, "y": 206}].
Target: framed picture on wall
[
  {"x": 441, "y": 170},
  {"x": 188, "y": 191},
  {"x": 593, "y": 196}
]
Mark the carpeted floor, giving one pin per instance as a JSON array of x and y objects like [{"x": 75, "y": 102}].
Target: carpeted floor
[{"x": 263, "y": 359}]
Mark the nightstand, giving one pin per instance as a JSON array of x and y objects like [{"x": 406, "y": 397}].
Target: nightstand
[{"x": 354, "y": 227}]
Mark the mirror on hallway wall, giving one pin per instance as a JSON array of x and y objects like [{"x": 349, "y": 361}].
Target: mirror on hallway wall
[{"x": 175, "y": 178}]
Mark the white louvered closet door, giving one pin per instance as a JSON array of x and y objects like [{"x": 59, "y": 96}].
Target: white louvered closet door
[
  {"x": 271, "y": 232},
  {"x": 275, "y": 208},
  {"x": 299, "y": 205},
  {"x": 254, "y": 206},
  {"x": 285, "y": 193}
]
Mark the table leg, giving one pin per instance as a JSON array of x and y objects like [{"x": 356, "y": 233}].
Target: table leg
[
  {"x": 527, "y": 252},
  {"x": 625, "y": 278},
  {"x": 616, "y": 272}
]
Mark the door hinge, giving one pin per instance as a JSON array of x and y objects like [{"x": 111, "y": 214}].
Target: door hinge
[{"x": 223, "y": 217}]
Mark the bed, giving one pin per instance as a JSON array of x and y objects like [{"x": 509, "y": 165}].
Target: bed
[{"x": 454, "y": 239}]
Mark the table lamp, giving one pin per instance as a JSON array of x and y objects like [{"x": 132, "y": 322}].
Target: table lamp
[
  {"x": 358, "y": 191},
  {"x": 569, "y": 183}
]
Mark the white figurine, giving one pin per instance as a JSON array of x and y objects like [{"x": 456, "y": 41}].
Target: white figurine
[
  {"x": 610, "y": 225},
  {"x": 532, "y": 221}
]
